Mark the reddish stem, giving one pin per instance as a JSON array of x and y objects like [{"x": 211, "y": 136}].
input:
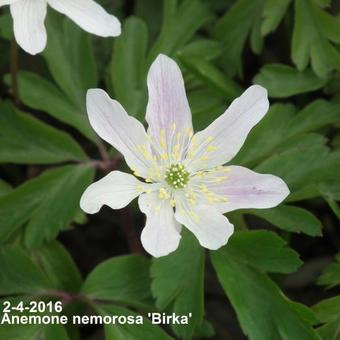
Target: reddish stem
[{"x": 131, "y": 235}]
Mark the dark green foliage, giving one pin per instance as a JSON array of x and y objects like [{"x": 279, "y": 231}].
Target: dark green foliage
[
  {"x": 182, "y": 290},
  {"x": 26, "y": 140},
  {"x": 48, "y": 203},
  {"x": 263, "y": 311},
  {"x": 116, "y": 280}
]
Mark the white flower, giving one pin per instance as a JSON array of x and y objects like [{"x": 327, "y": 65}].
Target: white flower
[
  {"x": 29, "y": 16},
  {"x": 185, "y": 182}
]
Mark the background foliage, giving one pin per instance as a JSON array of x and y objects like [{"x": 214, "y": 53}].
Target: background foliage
[{"x": 279, "y": 276}]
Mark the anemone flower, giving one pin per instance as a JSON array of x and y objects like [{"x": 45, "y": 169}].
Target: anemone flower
[
  {"x": 179, "y": 176},
  {"x": 29, "y": 16}
]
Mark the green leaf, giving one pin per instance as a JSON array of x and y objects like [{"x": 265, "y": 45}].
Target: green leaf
[
  {"x": 330, "y": 276},
  {"x": 296, "y": 164},
  {"x": 273, "y": 13},
  {"x": 19, "y": 274},
  {"x": 205, "y": 330},
  {"x": 233, "y": 29},
  {"x": 282, "y": 129},
  {"x": 182, "y": 291},
  {"x": 262, "y": 309},
  {"x": 207, "y": 49},
  {"x": 305, "y": 313},
  {"x": 318, "y": 114},
  {"x": 303, "y": 141},
  {"x": 328, "y": 310},
  {"x": 128, "y": 66},
  {"x": 330, "y": 330},
  {"x": 70, "y": 58},
  {"x": 323, "y": 178},
  {"x": 267, "y": 135},
  {"x": 330, "y": 199},
  {"x": 264, "y": 250},
  {"x": 26, "y": 140},
  {"x": 40, "y": 94},
  {"x": 59, "y": 267},
  {"x": 149, "y": 11},
  {"x": 336, "y": 141},
  {"x": 5, "y": 188},
  {"x": 206, "y": 105},
  {"x": 180, "y": 22},
  {"x": 323, "y": 3},
  {"x": 256, "y": 39},
  {"x": 6, "y": 26},
  {"x": 55, "y": 332},
  {"x": 211, "y": 75},
  {"x": 290, "y": 218},
  {"x": 33, "y": 332},
  {"x": 328, "y": 174},
  {"x": 283, "y": 81},
  {"x": 146, "y": 330},
  {"x": 122, "y": 279},
  {"x": 314, "y": 30},
  {"x": 48, "y": 203}
]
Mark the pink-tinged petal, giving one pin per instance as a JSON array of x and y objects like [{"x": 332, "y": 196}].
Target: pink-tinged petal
[
  {"x": 161, "y": 234},
  {"x": 244, "y": 189},
  {"x": 111, "y": 122},
  {"x": 28, "y": 19},
  {"x": 222, "y": 139},
  {"x": 211, "y": 228},
  {"x": 89, "y": 15},
  {"x": 168, "y": 113},
  {"x": 116, "y": 190}
]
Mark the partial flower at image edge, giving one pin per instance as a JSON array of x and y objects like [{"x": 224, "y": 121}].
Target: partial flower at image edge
[{"x": 29, "y": 17}]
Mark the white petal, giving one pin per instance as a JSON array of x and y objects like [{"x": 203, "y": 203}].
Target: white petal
[
  {"x": 211, "y": 228},
  {"x": 161, "y": 234},
  {"x": 111, "y": 122},
  {"x": 89, "y": 16},
  {"x": 29, "y": 30},
  {"x": 116, "y": 190},
  {"x": 168, "y": 113},
  {"x": 222, "y": 139},
  {"x": 7, "y": 2},
  {"x": 244, "y": 189}
]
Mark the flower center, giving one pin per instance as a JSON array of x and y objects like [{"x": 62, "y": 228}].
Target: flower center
[{"x": 177, "y": 176}]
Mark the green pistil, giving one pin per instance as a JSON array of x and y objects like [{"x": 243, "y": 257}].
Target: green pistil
[{"x": 176, "y": 176}]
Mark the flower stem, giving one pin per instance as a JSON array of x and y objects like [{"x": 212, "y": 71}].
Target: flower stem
[
  {"x": 102, "y": 150},
  {"x": 130, "y": 232},
  {"x": 134, "y": 244}
]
